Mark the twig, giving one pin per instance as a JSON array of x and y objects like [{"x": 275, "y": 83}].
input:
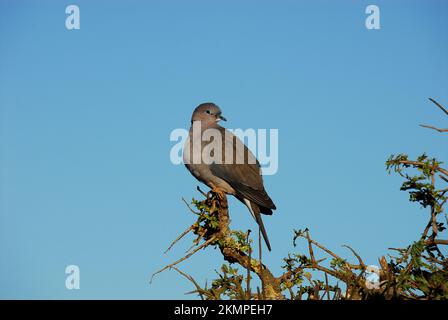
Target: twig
[
  {"x": 433, "y": 210},
  {"x": 421, "y": 164},
  {"x": 441, "y": 108},
  {"x": 310, "y": 248},
  {"x": 263, "y": 287},
  {"x": 425, "y": 232},
  {"x": 203, "y": 193},
  {"x": 334, "y": 255},
  {"x": 361, "y": 263},
  {"x": 188, "y": 205},
  {"x": 198, "y": 287},
  {"x": 436, "y": 241},
  {"x": 213, "y": 238},
  {"x": 434, "y": 128},
  {"x": 248, "y": 290},
  {"x": 178, "y": 238},
  {"x": 437, "y": 104},
  {"x": 326, "y": 286}
]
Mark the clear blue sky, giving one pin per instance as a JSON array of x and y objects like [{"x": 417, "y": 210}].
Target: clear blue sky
[{"x": 85, "y": 176}]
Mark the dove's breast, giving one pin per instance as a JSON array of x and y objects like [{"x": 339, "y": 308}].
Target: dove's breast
[{"x": 192, "y": 157}]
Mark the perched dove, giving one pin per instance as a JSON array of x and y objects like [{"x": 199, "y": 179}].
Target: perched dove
[{"x": 230, "y": 167}]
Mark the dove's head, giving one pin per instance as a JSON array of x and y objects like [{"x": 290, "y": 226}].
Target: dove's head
[{"x": 207, "y": 113}]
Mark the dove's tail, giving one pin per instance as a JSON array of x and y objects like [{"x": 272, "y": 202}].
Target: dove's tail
[{"x": 255, "y": 211}]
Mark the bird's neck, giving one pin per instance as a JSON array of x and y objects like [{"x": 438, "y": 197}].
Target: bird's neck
[{"x": 201, "y": 126}]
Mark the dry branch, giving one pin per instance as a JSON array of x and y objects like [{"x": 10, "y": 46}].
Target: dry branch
[{"x": 441, "y": 108}]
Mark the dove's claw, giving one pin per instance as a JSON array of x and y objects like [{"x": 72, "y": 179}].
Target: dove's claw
[{"x": 216, "y": 192}]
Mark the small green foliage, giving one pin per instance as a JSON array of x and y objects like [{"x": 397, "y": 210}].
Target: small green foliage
[
  {"x": 420, "y": 270},
  {"x": 416, "y": 252},
  {"x": 241, "y": 244},
  {"x": 228, "y": 284},
  {"x": 338, "y": 263},
  {"x": 298, "y": 234},
  {"x": 207, "y": 220},
  {"x": 420, "y": 186}
]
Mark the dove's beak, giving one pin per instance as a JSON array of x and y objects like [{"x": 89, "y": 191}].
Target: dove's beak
[{"x": 220, "y": 117}]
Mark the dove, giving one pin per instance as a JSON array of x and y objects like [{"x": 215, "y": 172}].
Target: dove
[{"x": 220, "y": 160}]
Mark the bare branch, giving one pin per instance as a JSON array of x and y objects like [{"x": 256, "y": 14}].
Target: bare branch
[
  {"x": 191, "y": 279},
  {"x": 441, "y": 108},
  {"x": 436, "y": 241},
  {"x": 437, "y": 104},
  {"x": 361, "y": 263},
  {"x": 248, "y": 277},
  {"x": 189, "y": 207},
  {"x": 184, "y": 258},
  {"x": 178, "y": 238},
  {"x": 434, "y": 128}
]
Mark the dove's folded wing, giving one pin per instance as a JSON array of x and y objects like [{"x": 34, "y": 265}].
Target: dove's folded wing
[{"x": 243, "y": 173}]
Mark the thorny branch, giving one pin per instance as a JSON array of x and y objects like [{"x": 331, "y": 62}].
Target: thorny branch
[{"x": 212, "y": 226}]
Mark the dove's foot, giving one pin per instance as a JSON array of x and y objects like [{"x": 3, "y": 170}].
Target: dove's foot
[
  {"x": 216, "y": 192},
  {"x": 216, "y": 197}
]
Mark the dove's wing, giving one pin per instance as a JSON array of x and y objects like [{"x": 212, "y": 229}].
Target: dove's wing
[{"x": 243, "y": 173}]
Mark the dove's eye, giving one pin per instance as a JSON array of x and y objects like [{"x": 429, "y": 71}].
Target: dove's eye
[{"x": 208, "y": 111}]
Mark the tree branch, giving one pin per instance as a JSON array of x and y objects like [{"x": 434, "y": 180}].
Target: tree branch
[
  {"x": 434, "y": 128},
  {"x": 439, "y": 105},
  {"x": 441, "y": 108}
]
